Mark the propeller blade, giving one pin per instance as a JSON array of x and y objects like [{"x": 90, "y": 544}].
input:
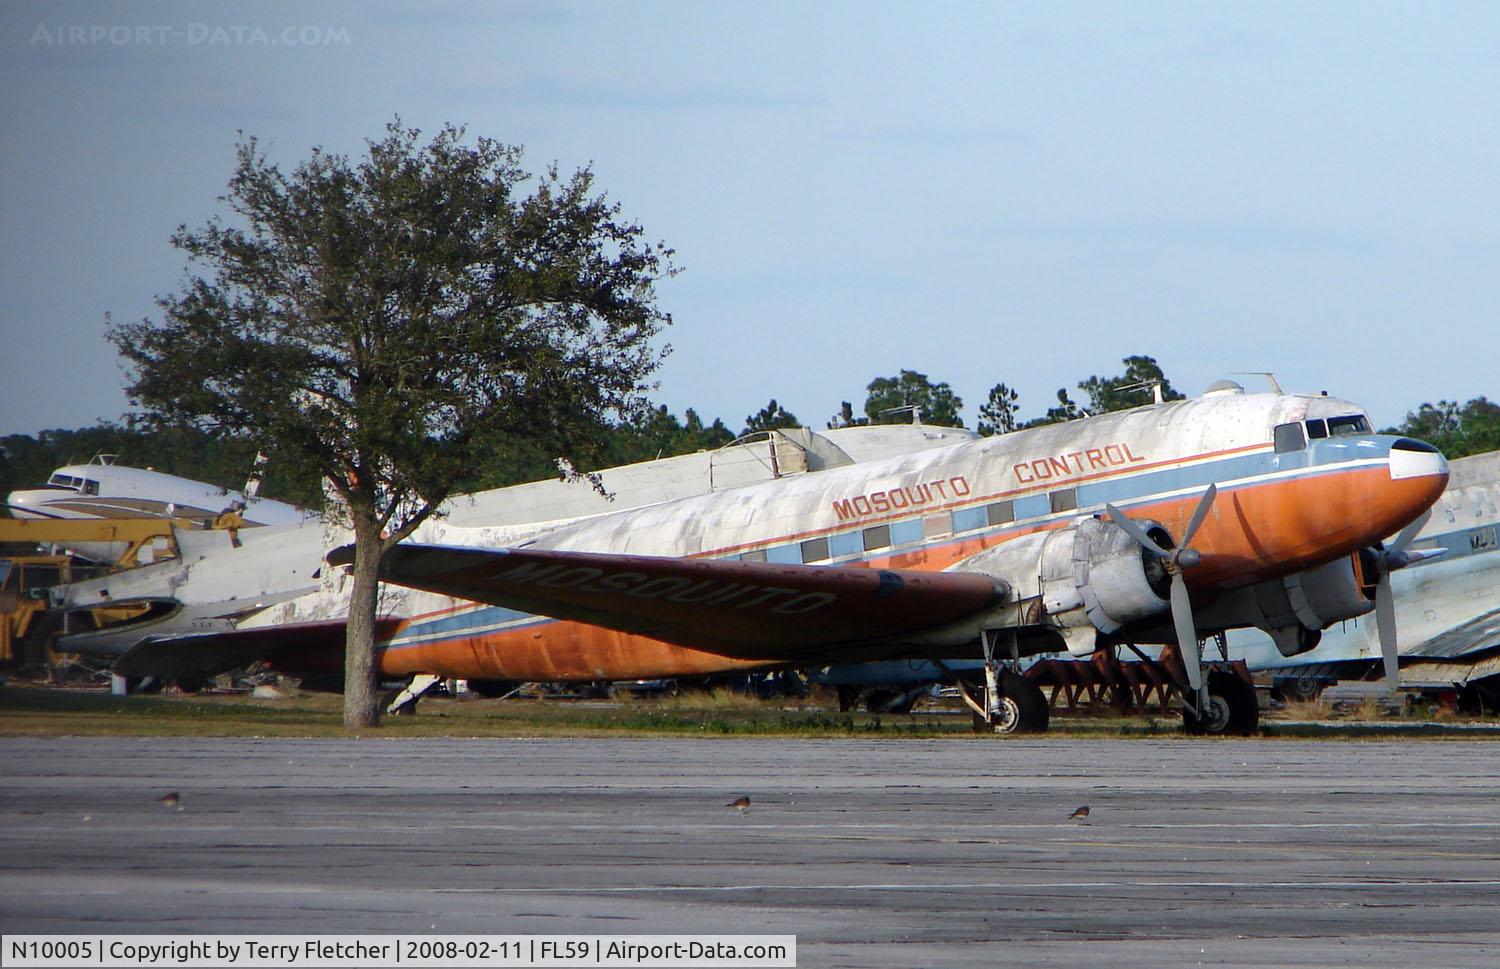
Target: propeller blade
[
  {"x": 1410, "y": 531},
  {"x": 1187, "y": 632},
  {"x": 1135, "y": 531},
  {"x": 1385, "y": 625},
  {"x": 1199, "y": 513}
]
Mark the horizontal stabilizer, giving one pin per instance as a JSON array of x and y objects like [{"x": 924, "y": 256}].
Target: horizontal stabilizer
[{"x": 748, "y": 610}]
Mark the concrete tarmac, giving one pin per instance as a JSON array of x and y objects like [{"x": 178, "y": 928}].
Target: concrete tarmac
[{"x": 954, "y": 852}]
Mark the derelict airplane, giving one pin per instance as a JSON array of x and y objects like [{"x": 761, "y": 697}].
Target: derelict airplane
[
  {"x": 103, "y": 489},
  {"x": 216, "y": 581},
  {"x": 1161, "y": 524}
]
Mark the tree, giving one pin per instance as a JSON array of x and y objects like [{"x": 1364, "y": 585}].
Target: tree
[
  {"x": 912, "y": 398},
  {"x": 1130, "y": 389},
  {"x": 998, "y": 415},
  {"x": 1066, "y": 410},
  {"x": 1472, "y": 428},
  {"x": 370, "y": 319},
  {"x": 658, "y": 433},
  {"x": 769, "y": 418},
  {"x": 845, "y": 417}
]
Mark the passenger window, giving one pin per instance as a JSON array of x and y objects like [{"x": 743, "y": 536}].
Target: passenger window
[
  {"x": 1000, "y": 512},
  {"x": 935, "y": 526},
  {"x": 757, "y": 556},
  {"x": 815, "y": 550},
  {"x": 1289, "y": 437},
  {"x": 877, "y": 537},
  {"x": 1317, "y": 428},
  {"x": 1065, "y": 500}
]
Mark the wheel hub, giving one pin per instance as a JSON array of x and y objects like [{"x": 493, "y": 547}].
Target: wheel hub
[
  {"x": 1216, "y": 714},
  {"x": 1008, "y": 717}
]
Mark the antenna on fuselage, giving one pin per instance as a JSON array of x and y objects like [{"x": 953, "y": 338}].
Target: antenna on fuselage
[
  {"x": 1155, "y": 385},
  {"x": 1270, "y": 378}
]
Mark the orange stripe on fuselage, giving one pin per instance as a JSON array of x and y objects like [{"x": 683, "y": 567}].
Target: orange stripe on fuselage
[
  {"x": 1254, "y": 532},
  {"x": 973, "y": 501}
]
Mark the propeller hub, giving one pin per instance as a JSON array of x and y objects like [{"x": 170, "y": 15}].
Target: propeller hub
[{"x": 1186, "y": 558}]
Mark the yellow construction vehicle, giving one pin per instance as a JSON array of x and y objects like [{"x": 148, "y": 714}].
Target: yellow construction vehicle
[
  {"x": 28, "y": 626},
  {"x": 130, "y": 541}
]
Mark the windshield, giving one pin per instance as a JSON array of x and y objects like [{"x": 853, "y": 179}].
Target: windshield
[{"x": 1350, "y": 425}]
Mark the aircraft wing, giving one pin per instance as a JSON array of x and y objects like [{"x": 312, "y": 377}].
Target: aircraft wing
[
  {"x": 747, "y": 610},
  {"x": 212, "y": 653}
]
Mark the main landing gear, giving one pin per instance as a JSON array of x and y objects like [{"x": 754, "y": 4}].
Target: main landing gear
[
  {"x": 1225, "y": 705},
  {"x": 1010, "y": 702}
]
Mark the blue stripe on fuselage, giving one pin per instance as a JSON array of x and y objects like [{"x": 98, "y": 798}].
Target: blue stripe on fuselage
[{"x": 1321, "y": 457}]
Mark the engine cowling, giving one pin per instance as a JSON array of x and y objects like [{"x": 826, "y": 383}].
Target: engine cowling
[
  {"x": 1094, "y": 574},
  {"x": 1295, "y": 609}
]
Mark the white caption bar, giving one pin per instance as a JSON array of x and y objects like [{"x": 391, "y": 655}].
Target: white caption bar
[{"x": 359, "y": 951}]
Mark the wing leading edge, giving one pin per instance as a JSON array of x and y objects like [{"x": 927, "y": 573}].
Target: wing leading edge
[{"x": 746, "y": 610}]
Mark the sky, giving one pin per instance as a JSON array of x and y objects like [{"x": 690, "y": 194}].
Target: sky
[{"x": 986, "y": 192}]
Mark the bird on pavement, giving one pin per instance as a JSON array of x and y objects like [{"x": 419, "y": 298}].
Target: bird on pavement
[
  {"x": 740, "y": 804},
  {"x": 170, "y": 799},
  {"x": 1079, "y": 814}
]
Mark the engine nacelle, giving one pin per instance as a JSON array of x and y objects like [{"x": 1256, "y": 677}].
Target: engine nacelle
[
  {"x": 1094, "y": 574},
  {"x": 1296, "y": 608}
]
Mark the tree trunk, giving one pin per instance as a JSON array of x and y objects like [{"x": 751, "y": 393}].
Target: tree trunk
[{"x": 361, "y": 699}]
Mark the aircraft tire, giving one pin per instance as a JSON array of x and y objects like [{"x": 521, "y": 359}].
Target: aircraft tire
[
  {"x": 1244, "y": 707},
  {"x": 1233, "y": 709},
  {"x": 892, "y": 701},
  {"x": 1023, "y": 708},
  {"x": 1032, "y": 701},
  {"x": 35, "y": 648}
]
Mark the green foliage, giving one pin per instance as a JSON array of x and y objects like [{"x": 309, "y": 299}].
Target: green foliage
[
  {"x": 845, "y": 417},
  {"x": 1133, "y": 388},
  {"x": 659, "y": 434},
  {"x": 1457, "y": 431},
  {"x": 998, "y": 415},
  {"x": 373, "y": 321},
  {"x": 912, "y": 398},
  {"x": 769, "y": 418},
  {"x": 1066, "y": 410}
]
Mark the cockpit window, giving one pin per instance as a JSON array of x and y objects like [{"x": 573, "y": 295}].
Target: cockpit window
[
  {"x": 1289, "y": 437},
  {"x": 1350, "y": 425},
  {"x": 90, "y": 487},
  {"x": 1316, "y": 428}
]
